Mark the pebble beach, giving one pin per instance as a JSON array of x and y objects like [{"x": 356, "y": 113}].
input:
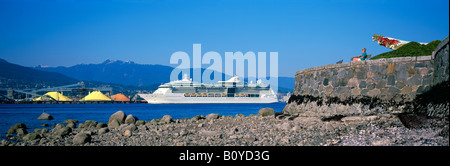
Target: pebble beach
[{"x": 264, "y": 129}]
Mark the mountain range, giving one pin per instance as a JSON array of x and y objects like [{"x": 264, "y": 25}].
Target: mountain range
[
  {"x": 114, "y": 72},
  {"x": 20, "y": 77}
]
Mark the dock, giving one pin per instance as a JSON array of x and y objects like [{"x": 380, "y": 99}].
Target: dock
[{"x": 76, "y": 94}]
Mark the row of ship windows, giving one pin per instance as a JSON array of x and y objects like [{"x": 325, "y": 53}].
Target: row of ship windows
[{"x": 219, "y": 95}]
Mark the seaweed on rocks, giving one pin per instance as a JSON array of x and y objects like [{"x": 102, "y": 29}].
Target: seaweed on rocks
[
  {"x": 372, "y": 102},
  {"x": 435, "y": 102},
  {"x": 412, "y": 120},
  {"x": 333, "y": 118},
  {"x": 299, "y": 99},
  {"x": 430, "y": 110}
]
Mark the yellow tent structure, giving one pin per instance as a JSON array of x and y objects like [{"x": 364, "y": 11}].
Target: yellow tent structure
[
  {"x": 96, "y": 96},
  {"x": 55, "y": 95}
]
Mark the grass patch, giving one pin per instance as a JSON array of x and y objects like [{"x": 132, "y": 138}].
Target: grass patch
[{"x": 410, "y": 49}]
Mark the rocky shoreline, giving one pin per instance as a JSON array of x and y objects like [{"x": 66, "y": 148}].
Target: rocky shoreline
[{"x": 265, "y": 129}]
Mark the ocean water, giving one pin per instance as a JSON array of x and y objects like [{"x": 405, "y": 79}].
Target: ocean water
[{"x": 11, "y": 114}]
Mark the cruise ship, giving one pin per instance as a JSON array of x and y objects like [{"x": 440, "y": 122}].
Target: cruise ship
[{"x": 230, "y": 91}]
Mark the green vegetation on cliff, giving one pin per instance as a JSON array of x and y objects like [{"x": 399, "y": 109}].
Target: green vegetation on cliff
[{"x": 410, "y": 49}]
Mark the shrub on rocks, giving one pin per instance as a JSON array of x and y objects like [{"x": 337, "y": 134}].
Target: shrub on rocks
[{"x": 266, "y": 112}]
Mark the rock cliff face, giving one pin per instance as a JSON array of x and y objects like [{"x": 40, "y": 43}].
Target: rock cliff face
[{"x": 372, "y": 87}]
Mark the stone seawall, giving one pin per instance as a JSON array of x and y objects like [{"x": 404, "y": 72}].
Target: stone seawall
[
  {"x": 383, "y": 78},
  {"x": 441, "y": 62},
  {"x": 364, "y": 88}
]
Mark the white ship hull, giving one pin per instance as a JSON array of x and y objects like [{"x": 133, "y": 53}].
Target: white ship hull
[
  {"x": 180, "y": 99},
  {"x": 231, "y": 91}
]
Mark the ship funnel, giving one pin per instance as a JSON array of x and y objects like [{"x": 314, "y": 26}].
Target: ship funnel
[{"x": 185, "y": 77}]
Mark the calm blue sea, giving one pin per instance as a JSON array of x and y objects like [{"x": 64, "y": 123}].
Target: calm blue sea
[{"x": 11, "y": 114}]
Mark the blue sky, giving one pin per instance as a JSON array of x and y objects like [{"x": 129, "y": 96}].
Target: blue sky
[{"x": 304, "y": 33}]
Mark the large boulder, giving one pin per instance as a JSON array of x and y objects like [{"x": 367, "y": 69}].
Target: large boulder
[
  {"x": 71, "y": 121},
  {"x": 212, "y": 116},
  {"x": 103, "y": 130},
  {"x": 45, "y": 116},
  {"x": 81, "y": 138},
  {"x": 63, "y": 131},
  {"x": 140, "y": 122},
  {"x": 31, "y": 136},
  {"x": 119, "y": 116},
  {"x": 167, "y": 119},
  {"x": 114, "y": 124},
  {"x": 19, "y": 125},
  {"x": 72, "y": 125},
  {"x": 266, "y": 112},
  {"x": 130, "y": 127},
  {"x": 131, "y": 119},
  {"x": 101, "y": 125},
  {"x": 198, "y": 117},
  {"x": 58, "y": 126},
  {"x": 90, "y": 124},
  {"x": 21, "y": 132},
  {"x": 13, "y": 129}
]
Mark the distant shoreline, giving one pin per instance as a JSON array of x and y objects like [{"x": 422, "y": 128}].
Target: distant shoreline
[{"x": 73, "y": 102}]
